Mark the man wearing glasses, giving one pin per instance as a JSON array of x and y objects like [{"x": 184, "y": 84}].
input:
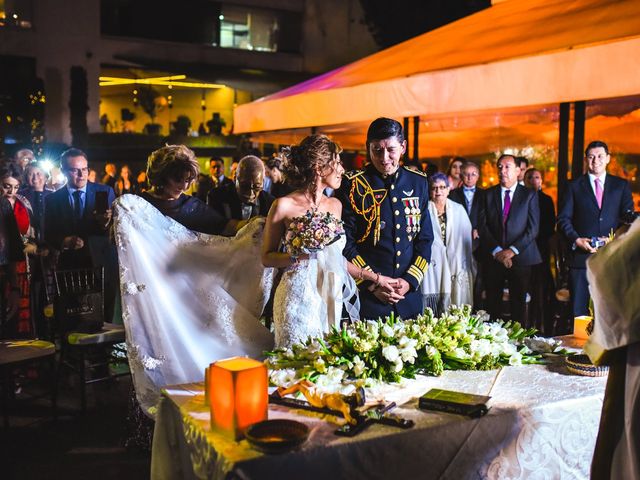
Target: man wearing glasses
[
  {"x": 471, "y": 197},
  {"x": 76, "y": 223},
  {"x": 245, "y": 198}
]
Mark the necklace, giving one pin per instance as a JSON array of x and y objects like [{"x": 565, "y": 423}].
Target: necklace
[{"x": 314, "y": 205}]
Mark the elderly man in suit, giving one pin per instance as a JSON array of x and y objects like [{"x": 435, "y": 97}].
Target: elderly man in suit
[
  {"x": 76, "y": 221},
  {"x": 508, "y": 230},
  {"x": 591, "y": 210},
  {"x": 471, "y": 197},
  {"x": 244, "y": 198}
]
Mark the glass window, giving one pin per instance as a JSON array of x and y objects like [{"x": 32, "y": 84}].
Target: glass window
[{"x": 248, "y": 29}]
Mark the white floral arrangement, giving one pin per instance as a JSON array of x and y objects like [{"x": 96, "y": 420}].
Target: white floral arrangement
[{"x": 391, "y": 349}]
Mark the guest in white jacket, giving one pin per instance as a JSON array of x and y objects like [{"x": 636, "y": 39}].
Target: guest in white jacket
[{"x": 449, "y": 278}]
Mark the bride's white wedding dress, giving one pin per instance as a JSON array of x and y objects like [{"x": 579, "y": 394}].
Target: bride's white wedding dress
[
  {"x": 309, "y": 298},
  {"x": 188, "y": 299}
]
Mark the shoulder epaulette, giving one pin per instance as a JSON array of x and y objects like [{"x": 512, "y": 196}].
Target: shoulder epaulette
[
  {"x": 415, "y": 170},
  {"x": 350, "y": 175}
]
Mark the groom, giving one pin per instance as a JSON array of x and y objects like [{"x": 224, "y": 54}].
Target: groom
[{"x": 387, "y": 224}]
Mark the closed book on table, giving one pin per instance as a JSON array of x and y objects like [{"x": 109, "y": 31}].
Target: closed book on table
[{"x": 455, "y": 402}]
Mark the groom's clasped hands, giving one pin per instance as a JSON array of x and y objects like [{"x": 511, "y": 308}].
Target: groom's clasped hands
[{"x": 390, "y": 290}]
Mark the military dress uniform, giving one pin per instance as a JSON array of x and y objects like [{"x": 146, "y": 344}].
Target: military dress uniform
[{"x": 388, "y": 231}]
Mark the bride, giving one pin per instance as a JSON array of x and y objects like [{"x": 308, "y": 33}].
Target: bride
[{"x": 314, "y": 286}]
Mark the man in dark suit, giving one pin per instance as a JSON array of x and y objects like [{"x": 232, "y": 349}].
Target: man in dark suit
[
  {"x": 216, "y": 179},
  {"x": 471, "y": 197},
  {"x": 245, "y": 198},
  {"x": 508, "y": 230},
  {"x": 74, "y": 227},
  {"x": 591, "y": 210},
  {"x": 542, "y": 284}
]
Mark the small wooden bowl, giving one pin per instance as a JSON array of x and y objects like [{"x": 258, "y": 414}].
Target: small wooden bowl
[
  {"x": 581, "y": 365},
  {"x": 277, "y": 436}
]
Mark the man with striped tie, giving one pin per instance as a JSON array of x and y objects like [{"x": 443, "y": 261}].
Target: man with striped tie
[{"x": 592, "y": 208}]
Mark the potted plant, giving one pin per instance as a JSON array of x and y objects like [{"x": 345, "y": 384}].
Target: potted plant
[
  {"x": 182, "y": 125},
  {"x": 150, "y": 101}
]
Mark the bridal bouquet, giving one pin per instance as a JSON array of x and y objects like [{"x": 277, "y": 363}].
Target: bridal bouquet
[
  {"x": 387, "y": 350},
  {"x": 312, "y": 232}
]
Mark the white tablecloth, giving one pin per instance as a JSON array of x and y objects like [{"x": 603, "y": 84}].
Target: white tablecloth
[{"x": 542, "y": 424}]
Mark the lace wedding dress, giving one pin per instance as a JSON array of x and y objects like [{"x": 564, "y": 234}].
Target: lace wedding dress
[
  {"x": 309, "y": 298},
  {"x": 188, "y": 298}
]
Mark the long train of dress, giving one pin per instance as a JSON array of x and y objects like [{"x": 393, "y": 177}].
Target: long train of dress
[{"x": 188, "y": 298}]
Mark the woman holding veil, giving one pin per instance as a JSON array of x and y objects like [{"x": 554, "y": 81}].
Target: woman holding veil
[{"x": 188, "y": 297}]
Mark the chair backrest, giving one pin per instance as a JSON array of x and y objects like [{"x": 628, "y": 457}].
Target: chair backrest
[{"x": 79, "y": 302}]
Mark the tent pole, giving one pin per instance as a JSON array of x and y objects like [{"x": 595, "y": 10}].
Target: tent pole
[
  {"x": 563, "y": 149},
  {"x": 405, "y": 127},
  {"x": 577, "y": 162},
  {"x": 416, "y": 139}
]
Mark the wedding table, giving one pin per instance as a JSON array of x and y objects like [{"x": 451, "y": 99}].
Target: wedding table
[{"x": 542, "y": 423}]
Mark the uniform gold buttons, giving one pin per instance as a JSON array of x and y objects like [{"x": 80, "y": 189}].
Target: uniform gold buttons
[
  {"x": 397, "y": 212},
  {"x": 397, "y": 265},
  {"x": 393, "y": 187},
  {"x": 397, "y": 226},
  {"x": 394, "y": 199},
  {"x": 397, "y": 239},
  {"x": 398, "y": 253}
]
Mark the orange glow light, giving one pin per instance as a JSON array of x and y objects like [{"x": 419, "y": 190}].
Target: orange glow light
[
  {"x": 580, "y": 327},
  {"x": 238, "y": 395}
]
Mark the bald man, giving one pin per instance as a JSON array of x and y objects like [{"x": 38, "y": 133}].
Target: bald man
[{"x": 245, "y": 198}]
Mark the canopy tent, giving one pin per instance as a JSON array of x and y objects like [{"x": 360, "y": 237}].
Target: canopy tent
[
  {"x": 478, "y": 133},
  {"x": 520, "y": 56}
]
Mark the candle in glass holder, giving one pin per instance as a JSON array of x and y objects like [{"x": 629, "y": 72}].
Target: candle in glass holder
[
  {"x": 580, "y": 326},
  {"x": 238, "y": 395}
]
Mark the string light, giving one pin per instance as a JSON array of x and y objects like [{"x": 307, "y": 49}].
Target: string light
[{"x": 169, "y": 81}]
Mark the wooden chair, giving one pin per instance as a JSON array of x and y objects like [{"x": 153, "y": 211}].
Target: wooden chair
[
  {"x": 88, "y": 345},
  {"x": 21, "y": 353}
]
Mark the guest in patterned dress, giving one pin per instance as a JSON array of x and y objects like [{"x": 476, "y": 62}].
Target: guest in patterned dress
[{"x": 20, "y": 325}]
